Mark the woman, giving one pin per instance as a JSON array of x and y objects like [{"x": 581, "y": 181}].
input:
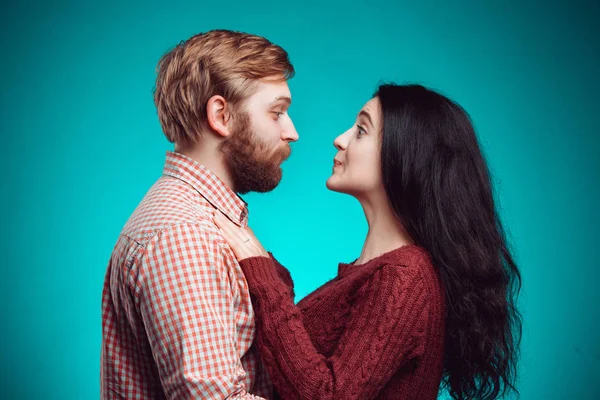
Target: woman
[{"x": 431, "y": 298}]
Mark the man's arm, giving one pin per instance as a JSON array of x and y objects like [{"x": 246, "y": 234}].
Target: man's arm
[{"x": 186, "y": 303}]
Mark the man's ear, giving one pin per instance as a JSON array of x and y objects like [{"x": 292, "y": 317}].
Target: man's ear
[{"x": 218, "y": 115}]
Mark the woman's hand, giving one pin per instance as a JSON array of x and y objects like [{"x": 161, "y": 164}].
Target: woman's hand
[{"x": 241, "y": 240}]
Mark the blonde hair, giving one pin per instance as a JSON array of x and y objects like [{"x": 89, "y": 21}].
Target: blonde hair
[{"x": 218, "y": 62}]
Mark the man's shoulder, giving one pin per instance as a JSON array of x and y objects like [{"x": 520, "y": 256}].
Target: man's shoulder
[{"x": 170, "y": 203}]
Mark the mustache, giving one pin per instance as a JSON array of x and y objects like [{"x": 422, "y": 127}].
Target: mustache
[{"x": 285, "y": 152}]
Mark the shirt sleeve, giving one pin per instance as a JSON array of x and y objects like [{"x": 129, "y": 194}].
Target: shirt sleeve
[
  {"x": 385, "y": 330},
  {"x": 186, "y": 302}
]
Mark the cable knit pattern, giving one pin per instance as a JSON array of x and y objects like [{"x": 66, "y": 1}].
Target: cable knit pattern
[{"x": 373, "y": 332}]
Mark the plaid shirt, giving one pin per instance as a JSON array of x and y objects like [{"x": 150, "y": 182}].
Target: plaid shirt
[{"x": 177, "y": 320}]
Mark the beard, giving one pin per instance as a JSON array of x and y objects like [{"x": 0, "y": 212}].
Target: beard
[{"x": 252, "y": 165}]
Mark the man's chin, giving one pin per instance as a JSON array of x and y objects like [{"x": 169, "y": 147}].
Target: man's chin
[
  {"x": 263, "y": 186},
  {"x": 271, "y": 186}
]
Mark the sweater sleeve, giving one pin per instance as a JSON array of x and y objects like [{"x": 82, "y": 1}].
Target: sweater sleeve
[
  {"x": 284, "y": 274},
  {"x": 385, "y": 330}
]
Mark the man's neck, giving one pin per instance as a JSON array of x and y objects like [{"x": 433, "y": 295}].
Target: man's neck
[{"x": 211, "y": 158}]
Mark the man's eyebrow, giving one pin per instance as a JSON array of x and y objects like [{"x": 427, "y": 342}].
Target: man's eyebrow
[
  {"x": 367, "y": 116},
  {"x": 285, "y": 99}
]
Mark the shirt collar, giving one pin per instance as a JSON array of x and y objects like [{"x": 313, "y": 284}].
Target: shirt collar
[{"x": 208, "y": 185}]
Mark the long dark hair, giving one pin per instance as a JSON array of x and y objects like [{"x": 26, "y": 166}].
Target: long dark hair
[{"x": 439, "y": 186}]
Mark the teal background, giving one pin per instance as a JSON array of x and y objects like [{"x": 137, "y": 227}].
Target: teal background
[{"x": 82, "y": 144}]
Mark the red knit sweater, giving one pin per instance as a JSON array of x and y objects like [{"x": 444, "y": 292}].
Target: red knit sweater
[{"x": 374, "y": 332}]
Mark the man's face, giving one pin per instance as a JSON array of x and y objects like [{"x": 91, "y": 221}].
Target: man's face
[{"x": 260, "y": 137}]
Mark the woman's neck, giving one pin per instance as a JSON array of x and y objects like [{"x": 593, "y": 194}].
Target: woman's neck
[{"x": 386, "y": 232}]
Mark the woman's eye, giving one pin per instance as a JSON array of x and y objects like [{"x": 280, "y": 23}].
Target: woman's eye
[{"x": 361, "y": 131}]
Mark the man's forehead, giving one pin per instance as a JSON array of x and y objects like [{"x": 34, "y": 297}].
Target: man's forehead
[
  {"x": 271, "y": 92},
  {"x": 285, "y": 99}
]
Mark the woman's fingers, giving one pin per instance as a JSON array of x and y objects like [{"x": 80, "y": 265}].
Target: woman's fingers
[
  {"x": 243, "y": 243},
  {"x": 228, "y": 233},
  {"x": 224, "y": 223}
]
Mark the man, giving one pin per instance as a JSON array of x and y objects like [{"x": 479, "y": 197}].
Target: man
[{"x": 176, "y": 313}]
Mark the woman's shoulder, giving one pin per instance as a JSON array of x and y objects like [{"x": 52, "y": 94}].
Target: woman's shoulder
[
  {"x": 406, "y": 257},
  {"x": 410, "y": 264},
  {"x": 412, "y": 260}
]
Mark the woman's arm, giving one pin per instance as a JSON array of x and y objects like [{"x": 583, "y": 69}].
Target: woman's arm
[{"x": 384, "y": 331}]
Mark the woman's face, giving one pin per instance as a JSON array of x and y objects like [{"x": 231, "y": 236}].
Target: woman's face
[{"x": 357, "y": 168}]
